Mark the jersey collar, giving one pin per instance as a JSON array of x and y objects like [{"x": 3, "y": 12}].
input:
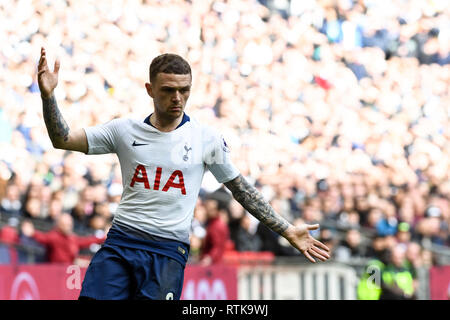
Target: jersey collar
[{"x": 185, "y": 119}]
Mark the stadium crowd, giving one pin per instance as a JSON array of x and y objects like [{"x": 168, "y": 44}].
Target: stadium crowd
[{"x": 338, "y": 111}]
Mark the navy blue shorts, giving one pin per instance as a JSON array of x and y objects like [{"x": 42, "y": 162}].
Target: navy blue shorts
[{"x": 120, "y": 273}]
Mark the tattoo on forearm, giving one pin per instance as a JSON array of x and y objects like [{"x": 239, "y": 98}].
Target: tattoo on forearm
[
  {"x": 56, "y": 125},
  {"x": 252, "y": 200}
]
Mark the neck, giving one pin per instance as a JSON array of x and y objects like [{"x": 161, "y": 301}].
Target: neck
[{"x": 165, "y": 124}]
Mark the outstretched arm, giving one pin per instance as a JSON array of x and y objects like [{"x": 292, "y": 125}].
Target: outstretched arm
[
  {"x": 298, "y": 237},
  {"x": 57, "y": 128}
]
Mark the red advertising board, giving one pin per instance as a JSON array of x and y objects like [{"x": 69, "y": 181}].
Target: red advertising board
[
  {"x": 40, "y": 282},
  {"x": 63, "y": 282},
  {"x": 440, "y": 283},
  {"x": 210, "y": 283}
]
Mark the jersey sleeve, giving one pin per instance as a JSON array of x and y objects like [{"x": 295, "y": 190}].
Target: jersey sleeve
[
  {"x": 102, "y": 138},
  {"x": 217, "y": 158}
]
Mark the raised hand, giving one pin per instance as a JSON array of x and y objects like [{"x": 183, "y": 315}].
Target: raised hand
[
  {"x": 300, "y": 238},
  {"x": 47, "y": 80}
]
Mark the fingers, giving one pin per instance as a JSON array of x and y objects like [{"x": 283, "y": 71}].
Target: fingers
[
  {"x": 56, "y": 68},
  {"x": 319, "y": 244},
  {"x": 42, "y": 60},
  {"x": 322, "y": 252},
  {"x": 318, "y": 250},
  {"x": 319, "y": 254},
  {"x": 316, "y": 242},
  {"x": 42, "y": 66},
  {"x": 308, "y": 256}
]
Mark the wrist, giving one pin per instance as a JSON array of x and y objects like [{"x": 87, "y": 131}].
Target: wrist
[
  {"x": 47, "y": 96},
  {"x": 290, "y": 230}
]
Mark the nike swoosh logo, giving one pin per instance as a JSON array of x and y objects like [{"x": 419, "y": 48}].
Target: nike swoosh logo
[{"x": 138, "y": 144}]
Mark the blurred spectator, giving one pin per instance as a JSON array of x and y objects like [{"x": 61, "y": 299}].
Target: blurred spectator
[
  {"x": 114, "y": 195},
  {"x": 33, "y": 209},
  {"x": 429, "y": 228},
  {"x": 378, "y": 249},
  {"x": 403, "y": 234},
  {"x": 98, "y": 222},
  {"x": 10, "y": 204},
  {"x": 413, "y": 262},
  {"x": 217, "y": 234},
  {"x": 35, "y": 251},
  {"x": 246, "y": 238},
  {"x": 397, "y": 281},
  {"x": 390, "y": 242},
  {"x": 387, "y": 225},
  {"x": 349, "y": 220},
  {"x": 428, "y": 258},
  {"x": 198, "y": 231},
  {"x": 351, "y": 248},
  {"x": 374, "y": 217},
  {"x": 328, "y": 238},
  {"x": 82, "y": 210},
  {"x": 235, "y": 214},
  {"x": 8, "y": 233},
  {"x": 103, "y": 209},
  {"x": 55, "y": 209},
  {"x": 8, "y": 238},
  {"x": 61, "y": 243}
]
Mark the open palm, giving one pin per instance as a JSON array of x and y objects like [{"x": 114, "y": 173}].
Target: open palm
[
  {"x": 301, "y": 239},
  {"x": 47, "y": 80}
]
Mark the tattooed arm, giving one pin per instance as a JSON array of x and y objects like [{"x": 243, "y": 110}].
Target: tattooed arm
[
  {"x": 57, "y": 128},
  {"x": 254, "y": 203},
  {"x": 298, "y": 237}
]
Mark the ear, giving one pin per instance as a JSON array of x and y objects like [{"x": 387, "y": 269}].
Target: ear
[{"x": 149, "y": 88}]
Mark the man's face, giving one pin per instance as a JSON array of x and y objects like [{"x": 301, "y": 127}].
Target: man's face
[
  {"x": 398, "y": 256},
  {"x": 170, "y": 93},
  {"x": 211, "y": 207},
  {"x": 65, "y": 224}
]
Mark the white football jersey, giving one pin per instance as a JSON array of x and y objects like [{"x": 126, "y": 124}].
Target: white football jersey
[{"x": 161, "y": 171}]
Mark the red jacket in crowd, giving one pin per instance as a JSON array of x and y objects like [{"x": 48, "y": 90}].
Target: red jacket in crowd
[
  {"x": 62, "y": 248},
  {"x": 216, "y": 239}
]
